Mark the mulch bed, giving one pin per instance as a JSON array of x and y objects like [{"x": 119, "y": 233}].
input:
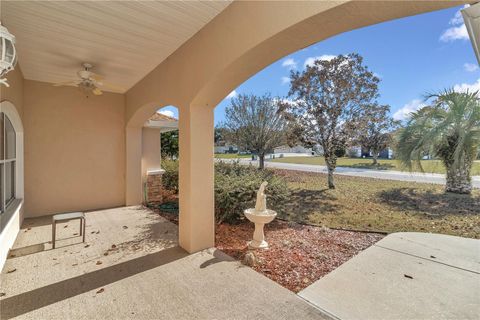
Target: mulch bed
[{"x": 298, "y": 254}]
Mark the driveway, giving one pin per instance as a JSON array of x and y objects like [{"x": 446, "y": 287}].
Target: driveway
[
  {"x": 367, "y": 173},
  {"x": 404, "y": 276}
]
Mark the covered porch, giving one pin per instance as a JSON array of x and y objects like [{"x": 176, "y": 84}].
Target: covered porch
[
  {"x": 91, "y": 152},
  {"x": 84, "y": 149},
  {"x": 132, "y": 267}
]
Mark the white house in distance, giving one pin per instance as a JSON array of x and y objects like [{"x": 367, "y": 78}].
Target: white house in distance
[
  {"x": 226, "y": 149},
  {"x": 295, "y": 151}
]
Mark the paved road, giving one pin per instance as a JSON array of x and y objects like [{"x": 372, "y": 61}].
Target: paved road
[{"x": 368, "y": 173}]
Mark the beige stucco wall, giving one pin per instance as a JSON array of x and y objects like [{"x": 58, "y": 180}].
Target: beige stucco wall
[
  {"x": 74, "y": 149},
  {"x": 14, "y": 93}
]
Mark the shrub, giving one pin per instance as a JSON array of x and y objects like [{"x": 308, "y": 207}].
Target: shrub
[
  {"x": 170, "y": 177},
  {"x": 236, "y": 189}
]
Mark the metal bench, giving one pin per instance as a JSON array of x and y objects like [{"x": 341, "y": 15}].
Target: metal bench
[{"x": 67, "y": 217}]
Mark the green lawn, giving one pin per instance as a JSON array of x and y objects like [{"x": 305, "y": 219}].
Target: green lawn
[
  {"x": 431, "y": 166},
  {"x": 381, "y": 205},
  {"x": 231, "y": 156}
]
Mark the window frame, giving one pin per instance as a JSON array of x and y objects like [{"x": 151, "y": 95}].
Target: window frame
[{"x": 6, "y": 203}]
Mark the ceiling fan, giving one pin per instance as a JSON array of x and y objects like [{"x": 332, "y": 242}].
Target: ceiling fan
[{"x": 89, "y": 82}]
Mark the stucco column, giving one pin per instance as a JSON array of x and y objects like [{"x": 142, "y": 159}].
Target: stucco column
[
  {"x": 151, "y": 151},
  {"x": 133, "y": 192},
  {"x": 196, "y": 221}
]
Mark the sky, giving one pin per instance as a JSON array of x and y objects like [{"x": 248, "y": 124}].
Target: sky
[{"x": 412, "y": 56}]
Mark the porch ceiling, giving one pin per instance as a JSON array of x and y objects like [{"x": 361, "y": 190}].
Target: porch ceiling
[{"x": 123, "y": 40}]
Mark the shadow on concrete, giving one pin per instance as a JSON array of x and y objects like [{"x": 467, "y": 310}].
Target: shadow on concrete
[
  {"x": 435, "y": 204},
  {"x": 218, "y": 256},
  {"x": 25, "y": 251},
  {"x": 28, "y": 301},
  {"x": 39, "y": 247}
]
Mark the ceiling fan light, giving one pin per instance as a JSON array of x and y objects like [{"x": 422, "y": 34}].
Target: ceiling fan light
[{"x": 8, "y": 54}]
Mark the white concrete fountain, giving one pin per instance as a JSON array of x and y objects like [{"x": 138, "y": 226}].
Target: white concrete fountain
[{"x": 260, "y": 216}]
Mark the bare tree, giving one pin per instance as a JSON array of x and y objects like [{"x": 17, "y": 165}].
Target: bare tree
[
  {"x": 375, "y": 130},
  {"x": 328, "y": 99},
  {"x": 254, "y": 123}
]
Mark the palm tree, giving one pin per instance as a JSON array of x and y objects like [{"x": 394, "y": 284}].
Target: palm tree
[{"x": 448, "y": 129}]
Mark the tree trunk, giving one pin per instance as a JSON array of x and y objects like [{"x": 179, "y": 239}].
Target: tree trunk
[
  {"x": 375, "y": 157},
  {"x": 331, "y": 163},
  {"x": 331, "y": 182},
  {"x": 261, "y": 161},
  {"x": 458, "y": 179}
]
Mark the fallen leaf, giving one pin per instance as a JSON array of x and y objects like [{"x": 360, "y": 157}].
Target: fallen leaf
[
  {"x": 105, "y": 253},
  {"x": 12, "y": 270},
  {"x": 408, "y": 276},
  {"x": 86, "y": 246},
  {"x": 125, "y": 227},
  {"x": 99, "y": 262},
  {"x": 29, "y": 228},
  {"x": 2, "y": 294},
  {"x": 101, "y": 290},
  {"x": 75, "y": 264},
  {"x": 12, "y": 256},
  {"x": 433, "y": 257},
  {"x": 98, "y": 232},
  {"x": 113, "y": 246},
  {"x": 66, "y": 226},
  {"x": 75, "y": 234}
]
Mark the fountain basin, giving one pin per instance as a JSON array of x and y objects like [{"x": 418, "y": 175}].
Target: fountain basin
[
  {"x": 263, "y": 217},
  {"x": 259, "y": 219}
]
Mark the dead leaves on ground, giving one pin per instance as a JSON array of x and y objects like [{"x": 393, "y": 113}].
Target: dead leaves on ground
[{"x": 298, "y": 254}]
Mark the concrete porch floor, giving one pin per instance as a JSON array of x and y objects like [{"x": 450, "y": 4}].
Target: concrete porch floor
[{"x": 132, "y": 267}]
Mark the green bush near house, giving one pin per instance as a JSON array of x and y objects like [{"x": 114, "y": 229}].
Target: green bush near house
[
  {"x": 235, "y": 188},
  {"x": 170, "y": 177}
]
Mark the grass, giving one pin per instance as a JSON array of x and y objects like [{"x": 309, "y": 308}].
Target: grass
[
  {"x": 430, "y": 166},
  {"x": 231, "y": 156},
  {"x": 380, "y": 205}
]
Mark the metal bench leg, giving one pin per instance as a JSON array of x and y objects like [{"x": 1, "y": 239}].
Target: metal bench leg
[
  {"x": 81, "y": 226},
  {"x": 54, "y": 227}
]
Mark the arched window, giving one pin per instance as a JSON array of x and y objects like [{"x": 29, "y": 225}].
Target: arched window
[{"x": 8, "y": 159}]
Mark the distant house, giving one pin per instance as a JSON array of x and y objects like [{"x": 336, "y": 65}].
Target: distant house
[
  {"x": 359, "y": 152},
  {"x": 226, "y": 149},
  {"x": 298, "y": 149}
]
